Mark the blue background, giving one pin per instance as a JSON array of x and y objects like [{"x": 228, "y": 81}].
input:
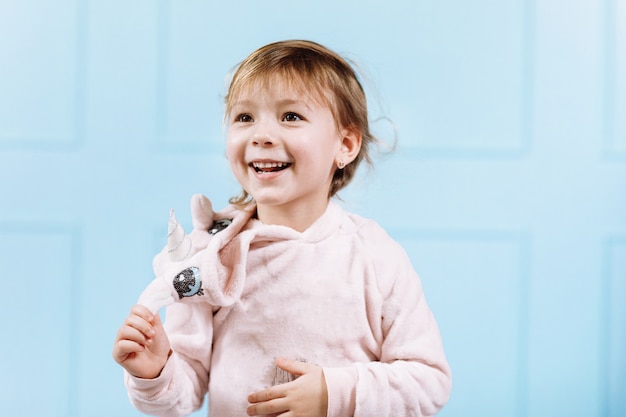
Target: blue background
[{"x": 507, "y": 188}]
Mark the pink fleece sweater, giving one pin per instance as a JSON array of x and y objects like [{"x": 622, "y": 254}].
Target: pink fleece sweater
[{"x": 342, "y": 295}]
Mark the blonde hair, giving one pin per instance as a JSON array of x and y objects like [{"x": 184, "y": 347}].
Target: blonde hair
[{"x": 319, "y": 72}]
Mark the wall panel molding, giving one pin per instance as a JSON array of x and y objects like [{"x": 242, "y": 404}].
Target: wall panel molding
[
  {"x": 613, "y": 369},
  {"x": 615, "y": 80}
]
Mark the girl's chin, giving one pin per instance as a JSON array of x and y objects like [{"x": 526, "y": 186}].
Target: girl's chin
[{"x": 269, "y": 201}]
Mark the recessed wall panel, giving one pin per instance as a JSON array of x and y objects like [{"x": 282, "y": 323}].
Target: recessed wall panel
[
  {"x": 38, "y": 331},
  {"x": 467, "y": 91},
  {"x": 461, "y": 92},
  {"x": 475, "y": 285},
  {"x": 190, "y": 78},
  {"x": 38, "y": 73}
]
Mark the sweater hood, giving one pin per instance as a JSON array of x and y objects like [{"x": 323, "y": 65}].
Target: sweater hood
[{"x": 327, "y": 224}]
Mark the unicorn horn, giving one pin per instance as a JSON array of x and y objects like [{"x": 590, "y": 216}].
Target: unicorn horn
[{"x": 178, "y": 243}]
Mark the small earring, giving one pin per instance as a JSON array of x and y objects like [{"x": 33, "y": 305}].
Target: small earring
[{"x": 341, "y": 164}]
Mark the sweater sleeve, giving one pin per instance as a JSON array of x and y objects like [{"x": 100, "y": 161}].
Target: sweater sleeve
[
  {"x": 183, "y": 383},
  {"x": 412, "y": 376}
]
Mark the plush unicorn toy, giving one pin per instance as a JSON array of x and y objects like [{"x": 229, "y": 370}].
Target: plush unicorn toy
[{"x": 191, "y": 268}]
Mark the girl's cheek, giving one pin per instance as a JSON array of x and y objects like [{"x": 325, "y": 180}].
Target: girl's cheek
[
  {"x": 230, "y": 147},
  {"x": 231, "y": 158},
  {"x": 233, "y": 138}
]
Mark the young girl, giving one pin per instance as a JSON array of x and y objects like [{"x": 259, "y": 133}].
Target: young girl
[{"x": 285, "y": 303}]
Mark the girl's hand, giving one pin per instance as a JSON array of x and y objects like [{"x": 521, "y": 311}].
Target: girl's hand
[
  {"x": 304, "y": 397},
  {"x": 141, "y": 345}
]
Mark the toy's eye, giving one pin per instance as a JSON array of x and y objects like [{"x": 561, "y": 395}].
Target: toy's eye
[
  {"x": 219, "y": 225},
  {"x": 244, "y": 118},
  {"x": 292, "y": 117}
]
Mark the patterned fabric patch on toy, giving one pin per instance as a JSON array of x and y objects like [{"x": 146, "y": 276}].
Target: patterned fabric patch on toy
[
  {"x": 188, "y": 283},
  {"x": 219, "y": 225}
]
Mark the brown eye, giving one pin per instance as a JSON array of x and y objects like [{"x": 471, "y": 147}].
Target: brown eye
[
  {"x": 244, "y": 118},
  {"x": 291, "y": 117}
]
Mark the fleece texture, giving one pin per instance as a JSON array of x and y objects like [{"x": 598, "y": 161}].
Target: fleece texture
[{"x": 342, "y": 295}]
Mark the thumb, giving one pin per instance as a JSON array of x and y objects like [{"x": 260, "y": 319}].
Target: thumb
[
  {"x": 295, "y": 367},
  {"x": 156, "y": 321}
]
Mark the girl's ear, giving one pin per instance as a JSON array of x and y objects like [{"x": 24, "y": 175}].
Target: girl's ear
[{"x": 350, "y": 144}]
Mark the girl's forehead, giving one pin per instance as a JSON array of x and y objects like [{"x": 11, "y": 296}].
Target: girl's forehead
[{"x": 288, "y": 87}]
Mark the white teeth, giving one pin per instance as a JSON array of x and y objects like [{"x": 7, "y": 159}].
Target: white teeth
[{"x": 268, "y": 165}]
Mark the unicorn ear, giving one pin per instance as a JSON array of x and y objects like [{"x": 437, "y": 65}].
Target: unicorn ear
[
  {"x": 178, "y": 243},
  {"x": 201, "y": 212}
]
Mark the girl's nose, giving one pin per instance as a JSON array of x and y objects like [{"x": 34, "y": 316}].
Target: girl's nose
[
  {"x": 262, "y": 140},
  {"x": 263, "y": 135}
]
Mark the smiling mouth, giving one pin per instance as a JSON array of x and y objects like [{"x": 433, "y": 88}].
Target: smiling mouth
[{"x": 262, "y": 167}]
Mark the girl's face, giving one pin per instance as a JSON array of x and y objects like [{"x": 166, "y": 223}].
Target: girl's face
[{"x": 282, "y": 148}]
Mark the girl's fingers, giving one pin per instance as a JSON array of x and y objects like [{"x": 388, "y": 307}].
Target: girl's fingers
[
  {"x": 143, "y": 312},
  {"x": 133, "y": 334},
  {"x": 141, "y": 324},
  {"x": 268, "y": 394},
  {"x": 123, "y": 348},
  {"x": 295, "y": 367},
  {"x": 274, "y": 406}
]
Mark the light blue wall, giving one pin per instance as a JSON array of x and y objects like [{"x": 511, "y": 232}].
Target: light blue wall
[{"x": 507, "y": 189}]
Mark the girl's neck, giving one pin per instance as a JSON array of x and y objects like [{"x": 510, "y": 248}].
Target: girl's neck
[{"x": 297, "y": 218}]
